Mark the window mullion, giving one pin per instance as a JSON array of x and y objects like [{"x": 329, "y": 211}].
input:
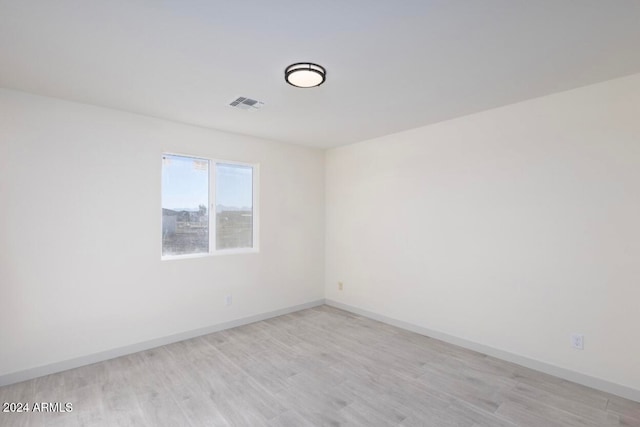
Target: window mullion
[{"x": 212, "y": 208}]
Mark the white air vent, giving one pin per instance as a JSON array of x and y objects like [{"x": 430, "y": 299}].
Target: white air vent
[{"x": 246, "y": 104}]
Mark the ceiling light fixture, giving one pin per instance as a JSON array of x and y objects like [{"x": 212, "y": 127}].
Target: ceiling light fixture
[{"x": 305, "y": 74}]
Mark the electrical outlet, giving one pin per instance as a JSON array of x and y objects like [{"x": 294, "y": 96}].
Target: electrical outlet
[
  {"x": 577, "y": 341},
  {"x": 228, "y": 300},
  {"x": 340, "y": 286}
]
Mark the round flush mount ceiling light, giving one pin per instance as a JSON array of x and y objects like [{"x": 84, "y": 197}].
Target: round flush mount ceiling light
[{"x": 305, "y": 74}]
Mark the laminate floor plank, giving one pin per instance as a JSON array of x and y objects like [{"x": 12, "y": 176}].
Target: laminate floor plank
[
  {"x": 290, "y": 418},
  {"x": 316, "y": 367},
  {"x": 553, "y": 413},
  {"x": 397, "y": 402},
  {"x": 560, "y": 387},
  {"x": 627, "y": 410},
  {"x": 562, "y": 402},
  {"x": 477, "y": 417}
]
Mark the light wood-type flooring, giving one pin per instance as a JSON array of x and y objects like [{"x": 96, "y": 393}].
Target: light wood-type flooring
[{"x": 316, "y": 367}]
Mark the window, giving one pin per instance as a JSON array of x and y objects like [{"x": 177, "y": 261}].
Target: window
[
  {"x": 185, "y": 201},
  {"x": 208, "y": 206},
  {"x": 234, "y": 206}
]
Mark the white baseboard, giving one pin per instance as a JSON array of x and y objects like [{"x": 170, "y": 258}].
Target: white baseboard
[
  {"x": 27, "y": 374},
  {"x": 576, "y": 377}
]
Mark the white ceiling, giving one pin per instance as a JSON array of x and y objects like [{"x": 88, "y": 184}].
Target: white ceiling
[{"x": 391, "y": 65}]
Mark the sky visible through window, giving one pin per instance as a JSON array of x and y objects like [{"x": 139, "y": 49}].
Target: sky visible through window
[
  {"x": 234, "y": 187},
  {"x": 185, "y": 183}
]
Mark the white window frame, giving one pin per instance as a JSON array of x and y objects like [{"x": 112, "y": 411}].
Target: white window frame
[{"x": 213, "y": 213}]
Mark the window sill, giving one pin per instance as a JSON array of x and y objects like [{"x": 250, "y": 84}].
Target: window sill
[{"x": 210, "y": 254}]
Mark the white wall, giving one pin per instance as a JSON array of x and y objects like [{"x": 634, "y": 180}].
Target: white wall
[
  {"x": 80, "y": 268},
  {"x": 512, "y": 228}
]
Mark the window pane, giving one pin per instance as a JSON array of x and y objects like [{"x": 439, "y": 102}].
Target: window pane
[
  {"x": 234, "y": 206},
  {"x": 185, "y": 201}
]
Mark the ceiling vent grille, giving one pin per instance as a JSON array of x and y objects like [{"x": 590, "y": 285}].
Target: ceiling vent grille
[{"x": 246, "y": 104}]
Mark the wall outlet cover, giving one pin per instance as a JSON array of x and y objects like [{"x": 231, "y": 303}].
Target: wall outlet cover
[{"x": 577, "y": 341}]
